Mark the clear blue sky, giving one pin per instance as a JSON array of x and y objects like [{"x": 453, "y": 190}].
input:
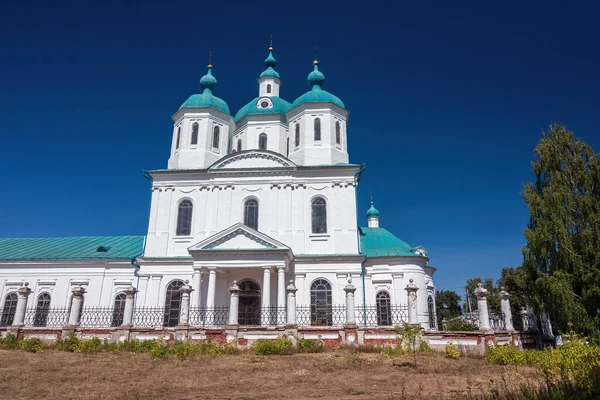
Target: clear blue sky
[{"x": 447, "y": 101}]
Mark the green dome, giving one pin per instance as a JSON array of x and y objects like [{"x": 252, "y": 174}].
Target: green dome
[
  {"x": 208, "y": 83},
  {"x": 270, "y": 63},
  {"x": 280, "y": 106},
  {"x": 316, "y": 79},
  {"x": 372, "y": 211},
  {"x": 378, "y": 242}
]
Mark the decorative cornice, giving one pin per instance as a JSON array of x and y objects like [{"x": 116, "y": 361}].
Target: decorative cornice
[{"x": 235, "y": 233}]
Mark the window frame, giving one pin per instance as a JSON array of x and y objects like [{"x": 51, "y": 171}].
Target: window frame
[
  {"x": 118, "y": 313},
  {"x": 179, "y": 233},
  {"x": 169, "y": 317},
  {"x": 268, "y": 88},
  {"x": 9, "y": 309},
  {"x": 178, "y": 138},
  {"x": 312, "y": 216},
  {"x": 194, "y": 134},
  {"x": 216, "y": 137},
  {"x": 297, "y": 135},
  {"x": 262, "y": 137},
  {"x": 384, "y": 296},
  {"x": 317, "y": 129},
  {"x": 338, "y": 133},
  {"x": 246, "y": 216},
  {"x": 239, "y": 145},
  {"x": 326, "y": 309},
  {"x": 40, "y": 317}
]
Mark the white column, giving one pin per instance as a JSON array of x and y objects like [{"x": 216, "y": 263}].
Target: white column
[
  {"x": 505, "y": 307},
  {"x": 76, "y": 303},
  {"x": 19, "y": 318},
  {"x": 234, "y": 303},
  {"x": 210, "y": 295},
  {"x": 350, "y": 313},
  {"x": 482, "y": 307},
  {"x": 280, "y": 295},
  {"x": 411, "y": 288},
  {"x": 291, "y": 304},
  {"x": 266, "y": 297},
  {"x": 128, "y": 311},
  {"x": 184, "y": 311},
  {"x": 196, "y": 282}
]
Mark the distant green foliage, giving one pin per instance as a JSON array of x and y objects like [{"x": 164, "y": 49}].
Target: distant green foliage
[
  {"x": 492, "y": 299},
  {"x": 562, "y": 256},
  {"x": 447, "y": 305},
  {"x": 281, "y": 345},
  {"x": 460, "y": 326}
]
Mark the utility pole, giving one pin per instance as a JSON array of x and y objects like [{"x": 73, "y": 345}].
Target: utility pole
[{"x": 468, "y": 299}]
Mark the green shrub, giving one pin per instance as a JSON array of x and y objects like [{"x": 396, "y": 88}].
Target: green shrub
[
  {"x": 33, "y": 345},
  {"x": 396, "y": 351},
  {"x": 308, "y": 346},
  {"x": 460, "y": 325},
  {"x": 9, "y": 342},
  {"x": 505, "y": 355},
  {"x": 159, "y": 352},
  {"x": 71, "y": 343},
  {"x": 281, "y": 345},
  {"x": 92, "y": 345},
  {"x": 424, "y": 347},
  {"x": 452, "y": 351}
]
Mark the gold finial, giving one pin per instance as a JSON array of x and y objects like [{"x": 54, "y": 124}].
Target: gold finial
[
  {"x": 371, "y": 197},
  {"x": 210, "y": 59},
  {"x": 315, "y": 62},
  {"x": 271, "y": 44}
]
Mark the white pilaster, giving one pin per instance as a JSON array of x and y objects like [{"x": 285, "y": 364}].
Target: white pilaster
[
  {"x": 280, "y": 295},
  {"x": 505, "y": 307},
  {"x": 184, "y": 312},
  {"x": 350, "y": 313},
  {"x": 266, "y": 289},
  {"x": 196, "y": 282},
  {"x": 291, "y": 304},
  {"x": 76, "y": 304},
  {"x": 23, "y": 294},
  {"x": 411, "y": 289},
  {"x": 128, "y": 311},
  {"x": 234, "y": 303}
]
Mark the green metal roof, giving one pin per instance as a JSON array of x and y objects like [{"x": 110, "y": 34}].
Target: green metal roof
[
  {"x": 378, "y": 242},
  {"x": 280, "y": 106},
  {"x": 71, "y": 248},
  {"x": 316, "y": 79},
  {"x": 208, "y": 84}
]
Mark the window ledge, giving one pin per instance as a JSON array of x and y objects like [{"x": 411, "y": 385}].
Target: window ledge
[
  {"x": 183, "y": 237},
  {"x": 319, "y": 236}
]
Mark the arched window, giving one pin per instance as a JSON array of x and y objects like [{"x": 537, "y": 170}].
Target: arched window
[
  {"x": 297, "y": 137},
  {"x": 10, "y": 307},
  {"x": 173, "y": 303},
  {"x": 216, "y": 136},
  {"x": 118, "y": 310},
  {"x": 194, "y": 133},
  {"x": 317, "y": 129},
  {"x": 287, "y": 147},
  {"x": 321, "y": 312},
  {"x": 42, "y": 309},
  {"x": 431, "y": 312},
  {"x": 319, "y": 215},
  {"x": 338, "y": 135},
  {"x": 251, "y": 214},
  {"x": 262, "y": 141},
  {"x": 184, "y": 218},
  {"x": 268, "y": 88},
  {"x": 384, "y": 309},
  {"x": 178, "y": 138},
  {"x": 239, "y": 145}
]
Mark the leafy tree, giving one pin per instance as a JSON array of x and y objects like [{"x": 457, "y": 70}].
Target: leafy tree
[
  {"x": 562, "y": 256},
  {"x": 447, "y": 305},
  {"x": 514, "y": 281},
  {"x": 487, "y": 283}
]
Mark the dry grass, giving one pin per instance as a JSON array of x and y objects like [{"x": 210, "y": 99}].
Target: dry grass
[{"x": 331, "y": 375}]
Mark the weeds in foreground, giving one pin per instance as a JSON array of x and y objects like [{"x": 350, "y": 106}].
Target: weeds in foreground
[{"x": 451, "y": 351}]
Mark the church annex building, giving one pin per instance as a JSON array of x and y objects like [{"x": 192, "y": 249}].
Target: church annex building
[{"x": 253, "y": 229}]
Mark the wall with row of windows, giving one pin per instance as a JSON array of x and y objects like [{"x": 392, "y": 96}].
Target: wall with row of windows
[{"x": 303, "y": 218}]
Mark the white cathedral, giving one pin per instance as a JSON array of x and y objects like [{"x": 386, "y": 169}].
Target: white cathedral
[{"x": 261, "y": 200}]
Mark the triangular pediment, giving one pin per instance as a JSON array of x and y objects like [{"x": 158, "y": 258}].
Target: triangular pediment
[
  {"x": 238, "y": 237},
  {"x": 253, "y": 159}
]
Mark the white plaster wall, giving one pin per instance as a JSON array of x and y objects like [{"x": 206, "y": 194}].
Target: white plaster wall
[
  {"x": 102, "y": 280},
  {"x": 284, "y": 210},
  {"x": 325, "y": 151},
  {"x": 268, "y": 80},
  {"x": 203, "y": 154}
]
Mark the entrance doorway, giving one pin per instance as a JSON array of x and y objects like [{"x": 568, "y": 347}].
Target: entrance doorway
[{"x": 249, "y": 307}]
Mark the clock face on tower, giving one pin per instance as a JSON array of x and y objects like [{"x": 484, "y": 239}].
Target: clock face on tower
[{"x": 264, "y": 103}]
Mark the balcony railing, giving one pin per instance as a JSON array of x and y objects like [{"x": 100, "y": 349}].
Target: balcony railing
[{"x": 40, "y": 317}]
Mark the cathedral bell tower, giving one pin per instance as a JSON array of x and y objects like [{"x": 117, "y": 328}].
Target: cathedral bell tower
[{"x": 201, "y": 128}]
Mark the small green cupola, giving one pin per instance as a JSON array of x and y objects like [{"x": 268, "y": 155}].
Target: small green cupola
[
  {"x": 373, "y": 216},
  {"x": 269, "y": 81},
  {"x": 208, "y": 84},
  {"x": 316, "y": 94}
]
